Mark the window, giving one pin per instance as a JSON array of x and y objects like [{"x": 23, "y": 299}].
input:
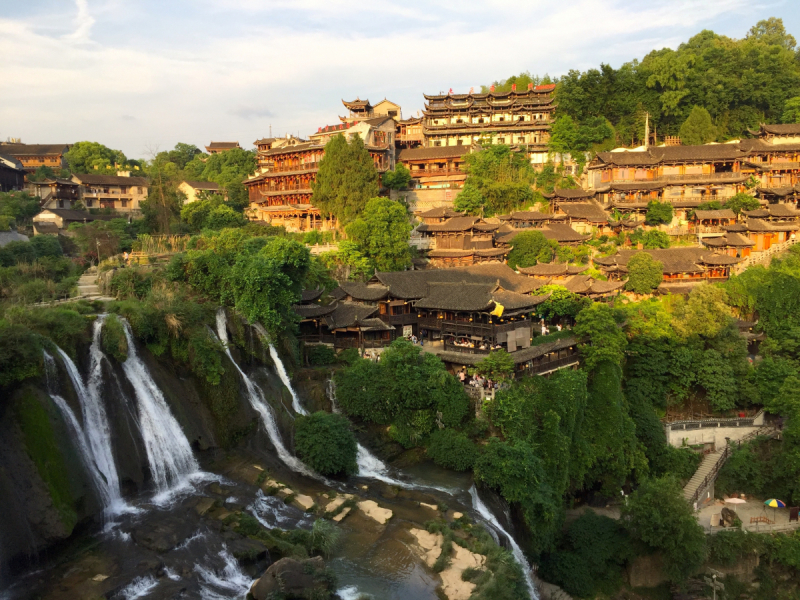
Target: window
[
  {"x": 501, "y": 119},
  {"x": 520, "y": 139},
  {"x": 437, "y": 143},
  {"x": 501, "y": 140},
  {"x": 460, "y": 143},
  {"x": 124, "y": 203}
]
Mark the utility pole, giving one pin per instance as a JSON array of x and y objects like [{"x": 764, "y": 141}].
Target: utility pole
[{"x": 646, "y": 130}]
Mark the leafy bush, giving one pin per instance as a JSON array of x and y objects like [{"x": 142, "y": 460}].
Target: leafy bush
[
  {"x": 20, "y": 355},
  {"x": 65, "y": 326},
  {"x": 112, "y": 339},
  {"x": 131, "y": 282},
  {"x": 452, "y": 450},
  {"x": 325, "y": 443},
  {"x": 590, "y": 557},
  {"x": 320, "y": 355}
]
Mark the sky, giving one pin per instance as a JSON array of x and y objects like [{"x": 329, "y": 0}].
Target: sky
[{"x": 142, "y": 75}]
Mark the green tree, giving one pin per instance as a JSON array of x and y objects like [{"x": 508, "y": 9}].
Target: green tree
[
  {"x": 658, "y": 213},
  {"x": 772, "y": 32},
  {"x": 529, "y": 248},
  {"x": 452, "y": 450},
  {"x": 20, "y": 206},
  {"x": 93, "y": 157},
  {"x": 658, "y": 515},
  {"x": 325, "y": 443},
  {"x": 742, "y": 201},
  {"x": 381, "y": 233},
  {"x": 698, "y": 128},
  {"x": 399, "y": 179},
  {"x": 561, "y": 303},
  {"x": 228, "y": 169},
  {"x": 499, "y": 180},
  {"x": 602, "y": 336},
  {"x": 703, "y": 313},
  {"x": 791, "y": 111},
  {"x": 346, "y": 179},
  {"x": 644, "y": 273},
  {"x": 348, "y": 262},
  {"x": 496, "y": 365}
]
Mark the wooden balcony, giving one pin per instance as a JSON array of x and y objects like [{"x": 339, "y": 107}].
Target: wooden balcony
[
  {"x": 404, "y": 319},
  {"x": 466, "y": 328},
  {"x": 303, "y": 168},
  {"x": 463, "y": 349},
  {"x": 416, "y": 174}
]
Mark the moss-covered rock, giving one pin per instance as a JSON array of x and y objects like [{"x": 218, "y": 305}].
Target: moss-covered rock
[{"x": 113, "y": 340}]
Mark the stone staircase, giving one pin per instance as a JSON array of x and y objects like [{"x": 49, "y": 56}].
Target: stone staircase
[
  {"x": 87, "y": 285},
  {"x": 712, "y": 463}
]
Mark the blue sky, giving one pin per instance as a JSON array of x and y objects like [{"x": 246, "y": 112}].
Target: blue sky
[{"x": 141, "y": 75}]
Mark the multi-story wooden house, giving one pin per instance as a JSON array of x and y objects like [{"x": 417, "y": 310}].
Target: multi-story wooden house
[
  {"x": 521, "y": 118},
  {"x": 33, "y": 156},
  {"x": 54, "y": 193},
  {"x": 360, "y": 110},
  {"x": 435, "y": 167},
  {"x": 123, "y": 193},
  {"x": 775, "y": 161},
  {"x": 12, "y": 174},
  {"x": 464, "y": 313},
  {"x": 280, "y": 191}
]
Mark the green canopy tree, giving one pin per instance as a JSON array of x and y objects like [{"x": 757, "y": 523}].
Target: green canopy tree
[
  {"x": 93, "y": 157},
  {"x": 791, "y": 111},
  {"x": 499, "y": 180},
  {"x": 496, "y": 365},
  {"x": 529, "y": 248},
  {"x": 399, "y": 179},
  {"x": 324, "y": 442},
  {"x": 658, "y": 213},
  {"x": 742, "y": 201},
  {"x": 381, "y": 233},
  {"x": 658, "y": 515},
  {"x": 346, "y": 179},
  {"x": 698, "y": 128},
  {"x": 603, "y": 337},
  {"x": 644, "y": 273}
]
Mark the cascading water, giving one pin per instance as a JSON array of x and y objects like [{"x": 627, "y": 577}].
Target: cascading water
[
  {"x": 94, "y": 437},
  {"x": 369, "y": 465},
  {"x": 484, "y": 512},
  {"x": 78, "y": 434},
  {"x": 168, "y": 451},
  {"x": 230, "y": 582},
  {"x": 276, "y": 359},
  {"x": 260, "y": 405}
]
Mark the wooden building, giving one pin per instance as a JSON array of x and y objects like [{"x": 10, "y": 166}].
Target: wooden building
[
  {"x": 122, "y": 193},
  {"x": 409, "y": 133},
  {"x": 435, "y": 167},
  {"x": 217, "y": 147},
  {"x": 54, "y": 193},
  {"x": 775, "y": 161},
  {"x": 439, "y": 214},
  {"x": 360, "y": 110},
  {"x": 521, "y": 118},
  {"x": 33, "y": 156},
  {"x": 731, "y": 243},
  {"x": 12, "y": 174},
  {"x": 681, "y": 265}
]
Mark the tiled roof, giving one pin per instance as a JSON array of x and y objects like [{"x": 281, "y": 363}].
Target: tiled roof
[
  {"x": 89, "y": 179},
  {"x": 552, "y": 269},
  {"x": 12, "y": 236},
  {"x": 514, "y": 301},
  {"x": 202, "y": 185},
  {"x": 73, "y": 215},
  {"x": 364, "y": 292},
  {"x": 774, "y": 210},
  {"x": 439, "y": 212},
  {"x": 313, "y": 311},
  {"x": 460, "y": 296},
  {"x": 724, "y": 213},
  {"x": 33, "y": 149},
  {"x": 585, "y": 285},
  {"x": 736, "y": 240},
  {"x": 452, "y": 224},
  {"x": 530, "y": 215},
  {"x": 408, "y": 154},
  {"x": 590, "y": 211},
  {"x": 223, "y": 145},
  {"x": 571, "y": 194},
  {"x": 347, "y": 314},
  {"x": 561, "y": 232},
  {"x": 782, "y": 129},
  {"x": 310, "y": 295},
  {"x": 673, "y": 260}
]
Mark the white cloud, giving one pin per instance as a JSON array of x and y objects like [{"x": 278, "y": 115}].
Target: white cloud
[{"x": 228, "y": 69}]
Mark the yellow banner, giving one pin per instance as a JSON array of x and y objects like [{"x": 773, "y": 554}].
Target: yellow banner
[{"x": 498, "y": 310}]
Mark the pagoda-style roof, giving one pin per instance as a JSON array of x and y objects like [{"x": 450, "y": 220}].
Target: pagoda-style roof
[
  {"x": 358, "y": 105},
  {"x": 673, "y": 260},
  {"x": 571, "y": 194},
  {"x": 440, "y": 212},
  {"x": 34, "y": 149},
  {"x": 724, "y": 213},
  {"x": 729, "y": 240},
  {"x": 587, "y": 211},
  {"x": 552, "y": 269}
]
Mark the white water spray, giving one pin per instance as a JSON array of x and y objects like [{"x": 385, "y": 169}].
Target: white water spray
[
  {"x": 484, "y": 512},
  {"x": 260, "y": 405},
  {"x": 168, "y": 451},
  {"x": 230, "y": 581},
  {"x": 94, "y": 436},
  {"x": 276, "y": 359},
  {"x": 369, "y": 465},
  {"x": 138, "y": 588}
]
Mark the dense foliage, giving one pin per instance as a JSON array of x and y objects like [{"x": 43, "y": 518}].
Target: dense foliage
[
  {"x": 381, "y": 234},
  {"x": 704, "y": 72},
  {"x": 325, "y": 443},
  {"x": 346, "y": 179},
  {"x": 529, "y": 248},
  {"x": 409, "y": 389},
  {"x": 644, "y": 273}
]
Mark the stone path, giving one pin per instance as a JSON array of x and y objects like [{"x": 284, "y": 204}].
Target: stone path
[{"x": 709, "y": 468}]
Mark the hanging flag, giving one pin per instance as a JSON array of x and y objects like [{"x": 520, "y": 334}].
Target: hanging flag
[
  {"x": 450, "y": 93},
  {"x": 471, "y": 90},
  {"x": 498, "y": 309},
  {"x": 491, "y": 88},
  {"x": 513, "y": 87}
]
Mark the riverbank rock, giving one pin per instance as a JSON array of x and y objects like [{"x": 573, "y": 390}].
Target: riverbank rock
[
  {"x": 729, "y": 517},
  {"x": 429, "y": 544},
  {"x": 452, "y": 584},
  {"x": 373, "y": 511},
  {"x": 163, "y": 535},
  {"x": 290, "y": 578}
]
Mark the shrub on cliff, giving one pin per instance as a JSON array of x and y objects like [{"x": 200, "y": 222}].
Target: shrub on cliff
[
  {"x": 113, "y": 340},
  {"x": 452, "y": 450},
  {"x": 325, "y": 443},
  {"x": 20, "y": 355}
]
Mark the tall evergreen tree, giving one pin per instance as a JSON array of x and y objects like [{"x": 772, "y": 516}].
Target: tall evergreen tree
[
  {"x": 698, "y": 127},
  {"x": 346, "y": 180}
]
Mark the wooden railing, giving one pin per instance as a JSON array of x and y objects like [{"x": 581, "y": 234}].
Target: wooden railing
[
  {"x": 552, "y": 365},
  {"x": 292, "y": 168},
  {"x": 436, "y": 172}
]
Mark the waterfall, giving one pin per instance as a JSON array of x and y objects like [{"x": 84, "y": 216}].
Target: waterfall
[
  {"x": 168, "y": 451},
  {"x": 369, "y": 465},
  {"x": 230, "y": 582},
  {"x": 276, "y": 359},
  {"x": 260, "y": 404},
  {"x": 484, "y": 512},
  {"x": 75, "y": 428},
  {"x": 94, "y": 437}
]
